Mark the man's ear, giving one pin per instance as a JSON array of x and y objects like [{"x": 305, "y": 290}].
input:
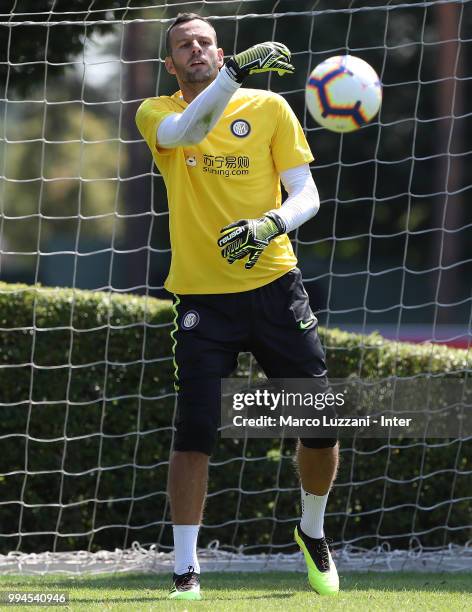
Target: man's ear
[
  {"x": 221, "y": 57},
  {"x": 169, "y": 64}
]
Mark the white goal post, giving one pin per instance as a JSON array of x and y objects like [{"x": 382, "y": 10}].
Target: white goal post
[{"x": 82, "y": 206}]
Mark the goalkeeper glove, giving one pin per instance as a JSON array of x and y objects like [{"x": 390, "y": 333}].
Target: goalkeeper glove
[
  {"x": 260, "y": 58},
  {"x": 249, "y": 237}
]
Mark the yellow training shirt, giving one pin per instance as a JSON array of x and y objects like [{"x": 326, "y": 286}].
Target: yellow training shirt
[{"x": 232, "y": 174}]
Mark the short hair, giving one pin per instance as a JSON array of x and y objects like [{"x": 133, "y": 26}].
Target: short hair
[{"x": 183, "y": 18}]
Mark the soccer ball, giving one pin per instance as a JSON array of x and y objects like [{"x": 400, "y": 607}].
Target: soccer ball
[{"x": 343, "y": 93}]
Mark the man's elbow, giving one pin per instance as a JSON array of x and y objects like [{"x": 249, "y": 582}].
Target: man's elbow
[
  {"x": 187, "y": 139},
  {"x": 190, "y": 140},
  {"x": 314, "y": 196},
  {"x": 195, "y": 135}
]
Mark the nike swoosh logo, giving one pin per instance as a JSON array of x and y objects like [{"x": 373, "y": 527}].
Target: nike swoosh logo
[{"x": 305, "y": 324}]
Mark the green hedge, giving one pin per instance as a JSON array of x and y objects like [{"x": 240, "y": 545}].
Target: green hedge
[{"x": 94, "y": 470}]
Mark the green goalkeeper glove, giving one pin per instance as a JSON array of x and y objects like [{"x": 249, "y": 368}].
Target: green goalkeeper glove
[
  {"x": 260, "y": 58},
  {"x": 249, "y": 237}
]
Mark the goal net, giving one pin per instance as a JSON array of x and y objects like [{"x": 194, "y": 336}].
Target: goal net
[{"x": 82, "y": 206}]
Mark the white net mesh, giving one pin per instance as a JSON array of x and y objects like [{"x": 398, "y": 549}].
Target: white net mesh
[{"x": 82, "y": 206}]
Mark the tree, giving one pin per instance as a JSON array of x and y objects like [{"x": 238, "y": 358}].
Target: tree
[
  {"x": 50, "y": 181},
  {"x": 26, "y": 49}
]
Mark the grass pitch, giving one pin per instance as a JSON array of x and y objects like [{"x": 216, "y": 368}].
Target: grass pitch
[{"x": 254, "y": 592}]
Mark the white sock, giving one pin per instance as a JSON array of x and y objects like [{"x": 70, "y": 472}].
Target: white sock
[
  {"x": 185, "y": 548},
  {"x": 313, "y": 509}
]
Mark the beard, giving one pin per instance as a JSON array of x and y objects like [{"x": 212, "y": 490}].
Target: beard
[{"x": 201, "y": 75}]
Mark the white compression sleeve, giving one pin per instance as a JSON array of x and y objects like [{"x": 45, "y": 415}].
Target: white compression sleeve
[
  {"x": 200, "y": 116},
  {"x": 303, "y": 201}
]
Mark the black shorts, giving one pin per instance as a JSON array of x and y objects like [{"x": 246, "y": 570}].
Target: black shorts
[{"x": 274, "y": 322}]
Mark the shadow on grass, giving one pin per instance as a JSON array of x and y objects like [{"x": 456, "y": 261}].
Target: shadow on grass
[
  {"x": 280, "y": 584},
  {"x": 163, "y": 598}
]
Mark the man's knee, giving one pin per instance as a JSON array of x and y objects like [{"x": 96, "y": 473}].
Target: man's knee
[
  {"x": 318, "y": 442},
  {"x": 198, "y": 415},
  {"x": 193, "y": 435}
]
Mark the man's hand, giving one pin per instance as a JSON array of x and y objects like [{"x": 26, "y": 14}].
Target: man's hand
[
  {"x": 249, "y": 237},
  {"x": 260, "y": 58}
]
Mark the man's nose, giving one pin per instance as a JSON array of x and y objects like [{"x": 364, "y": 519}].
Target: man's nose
[{"x": 196, "y": 48}]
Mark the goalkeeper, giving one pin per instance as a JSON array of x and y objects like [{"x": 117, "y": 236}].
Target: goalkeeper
[{"x": 222, "y": 151}]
